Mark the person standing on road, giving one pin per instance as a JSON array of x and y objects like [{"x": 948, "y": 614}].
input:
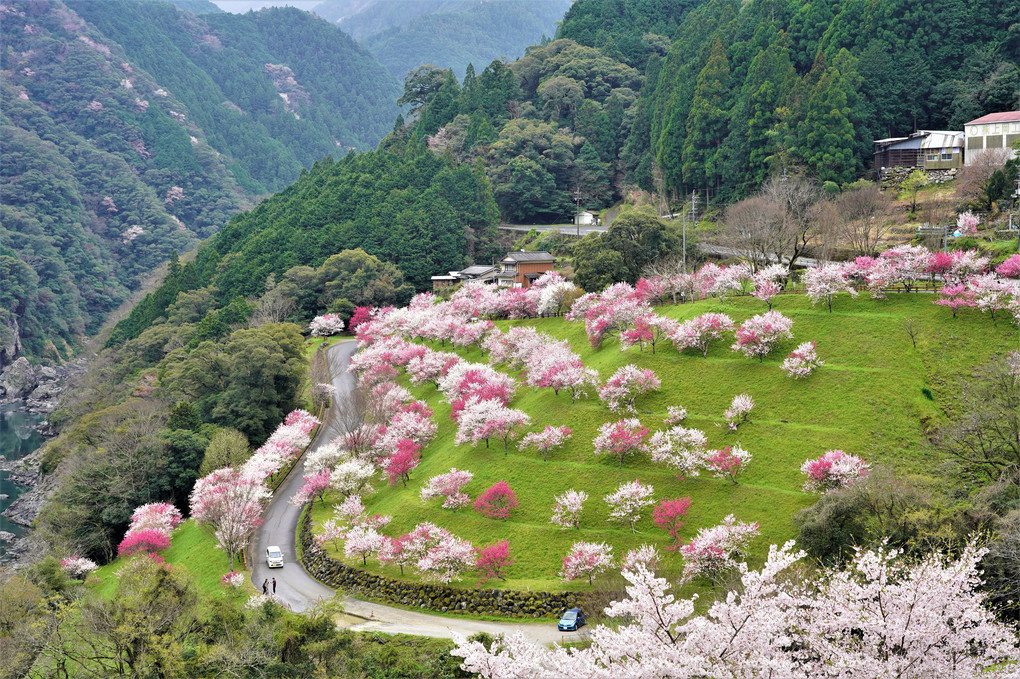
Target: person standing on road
[
  {"x": 274, "y": 585},
  {"x": 265, "y": 586}
]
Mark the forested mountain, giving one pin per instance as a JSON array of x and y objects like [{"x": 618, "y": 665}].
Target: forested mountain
[
  {"x": 131, "y": 130},
  {"x": 716, "y": 96},
  {"x": 277, "y": 89},
  {"x": 404, "y": 34},
  {"x": 404, "y": 204}
]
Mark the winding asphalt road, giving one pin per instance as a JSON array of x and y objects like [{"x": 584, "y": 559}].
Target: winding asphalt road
[{"x": 300, "y": 591}]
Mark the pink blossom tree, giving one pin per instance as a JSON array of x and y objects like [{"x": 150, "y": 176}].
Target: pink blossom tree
[
  {"x": 437, "y": 554},
  {"x": 883, "y": 616},
  {"x": 329, "y": 531},
  {"x": 991, "y": 293},
  {"x": 314, "y": 486},
  {"x": 160, "y": 516},
  {"x": 628, "y": 501},
  {"x": 497, "y": 501},
  {"x": 680, "y": 448},
  {"x": 392, "y": 552},
  {"x": 651, "y": 330},
  {"x": 739, "y": 411},
  {"x": 78, "y": 567},
  {"x": 231, "y": 504},
  {"x": 834, "y": 469},
  {"x": 621, "y": 439},
  {"x": 728, "y": 462},
  {"x": 404, "y": 459},
  {"x": 326, "y": 325},
  {"x": 362, "y": 541},
  {"x": 758, "y": 335},
  {"x": 645, "y": 556},
  {"x": 567, "y": 509},
  {"x": 626, "y": 384},
  {"x": 675, "y": 415},
  {"x": 1009, "y": 268},
  {"x": 712, "y": 550},
  {"x": 670, "y": 515},
  {"x": 699, "y": 332},
  {"x": 493, "y": 561},
  {"x": 148, "y": 540},
  {"x": 955, "y": 297},
  {"x": 482, "y": 420},
  {"x": 967, "y": 223},
  {"x": 448, "y": 486},
  {"x": 768, "y": 282},
  {"x": 802, "y": 361},
  {"x": 825, "y": 281},
  {"x": 546, "y": 440},
  {"x": 586, "y": 559}
]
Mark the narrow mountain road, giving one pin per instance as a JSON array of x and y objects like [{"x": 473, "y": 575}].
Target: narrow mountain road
[{"x": 300, "y": 591}]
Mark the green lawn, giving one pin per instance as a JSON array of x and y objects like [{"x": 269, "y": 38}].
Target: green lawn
[{"x": 867, "y": 399}]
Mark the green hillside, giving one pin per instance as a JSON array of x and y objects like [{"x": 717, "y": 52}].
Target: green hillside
[{"x": 867, "y": 400}]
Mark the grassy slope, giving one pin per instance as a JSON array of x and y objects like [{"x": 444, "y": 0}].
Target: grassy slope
[
  {"x": 867, "y": 399},
  {"x": 193, "y": 549}
]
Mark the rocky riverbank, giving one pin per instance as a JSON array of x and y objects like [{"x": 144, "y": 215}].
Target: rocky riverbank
[{"x": 39, "y": 387}]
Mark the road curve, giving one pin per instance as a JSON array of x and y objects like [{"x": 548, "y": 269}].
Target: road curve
[{"x": 300, "y": 591}]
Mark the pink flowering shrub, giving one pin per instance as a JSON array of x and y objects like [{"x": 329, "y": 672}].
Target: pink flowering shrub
[
  {"x": 670, "y": 515},
  {"x": 497, "y": 502},
  {"x": 437, "y": 554},
  {"x": 1009, "y": 268},
  {"x": 621, "y": 438},
  {"x": 834, "y": 469},
  {"x": 586, "y": 559},
  {"x": 232, "y": 579},
  {"x": 143, "y": 541},
  {"x": 158, "y": 516},
  {"x": 78, "y": 567},
  {"x": 675, "y": 415},
  {"x": 825, "y": 281},
  {"x": 699, "y": 332},
  {"x": 492, "y": 561},
  {"x": 967, "y": 223},
  {"x": 739, "y": 411},
  {"x": 728, "y": 462},
  {"x": 567, "y": 509},
  {"x": 955, "y": 297},
  {"x": 628, "y": 501},
  {"x": 626, "y": 384},
  {"x": 712, "y": 550},
  {"x": 546, "y": 440},
  {"x": 400, "y": 463},
  {"x": 802, "y": 361},
  {"x": 448, "y": 486},
  {"x": 758, "y": 335}
]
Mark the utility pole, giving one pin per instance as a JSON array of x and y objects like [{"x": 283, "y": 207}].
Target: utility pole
[{"x": 694, "y": 215}]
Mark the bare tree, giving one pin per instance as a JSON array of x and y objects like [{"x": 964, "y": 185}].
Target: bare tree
[
  {"x": 273, "y": 307},
  {"x": 795, "y": 194},
  {"x": 862, "y": 213},
  {"x": 755, "y": 230},
  {"x": 973, "y": 177},
  {"x": 913, "y": 329},
  {"x": 985, "y": 436}
]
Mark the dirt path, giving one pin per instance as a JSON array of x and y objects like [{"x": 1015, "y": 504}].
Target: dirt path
[{"x": 300, "y": 591}]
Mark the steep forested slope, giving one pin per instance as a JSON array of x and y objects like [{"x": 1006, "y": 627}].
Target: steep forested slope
[
  {"x": 102, "y": 178},
  {"x": 276, "y": 89},
  {"x": 716, "y": 96},
  {"x": 407, "y": 206},
  {"x": 405, "y": 34},
  {"x": 134, "y": 131}
]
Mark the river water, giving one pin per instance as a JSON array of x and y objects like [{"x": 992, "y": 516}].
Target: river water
[{"x": 17, "y": 439}]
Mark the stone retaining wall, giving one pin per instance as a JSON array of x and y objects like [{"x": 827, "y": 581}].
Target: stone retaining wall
[
  {"x": 894, "y": 176},
  {"x": 493, "y": 602}
]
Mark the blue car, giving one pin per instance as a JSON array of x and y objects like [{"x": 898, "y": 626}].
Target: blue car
[{"x": 572, "y": 620}]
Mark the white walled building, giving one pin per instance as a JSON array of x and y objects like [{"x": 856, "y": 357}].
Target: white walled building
[{"x": 990, "y": 132}]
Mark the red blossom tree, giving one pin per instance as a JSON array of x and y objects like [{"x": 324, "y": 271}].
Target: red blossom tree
[
  {"x": 497, "y": 502},
  {"x": 402, "y": 461},
  {"x": 493, "y": 561},
  {"x": 669, "y": 515}
]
